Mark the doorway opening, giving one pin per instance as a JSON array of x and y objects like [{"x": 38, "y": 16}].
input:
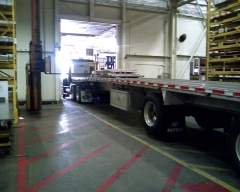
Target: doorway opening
[{"x": 87, "y": 41}]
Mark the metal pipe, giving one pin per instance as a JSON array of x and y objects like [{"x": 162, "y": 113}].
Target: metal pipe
[
  {"x": 36, "y": 22},
  {"x": 173, "y": 42},
  {"x": 123, "y": 64}
]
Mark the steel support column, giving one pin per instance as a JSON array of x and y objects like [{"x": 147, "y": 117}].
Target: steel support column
[
  {"x": 123, "y": 44},
  {"x": 173, "y": 46},
  {"x": 91, "y": 10},
  {"x": 35, "y": 60}
]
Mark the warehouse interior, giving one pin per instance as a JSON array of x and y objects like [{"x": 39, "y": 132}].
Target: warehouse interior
[{"x": 50, "y": 142}]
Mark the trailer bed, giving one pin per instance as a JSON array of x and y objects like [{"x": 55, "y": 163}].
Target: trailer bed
[
  {"x": 164, "y": 104},
  {"x": 228, "y": 89}
]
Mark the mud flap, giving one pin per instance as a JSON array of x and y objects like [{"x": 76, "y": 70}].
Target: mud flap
[
  {"x": 86, "y": 97},
  {"x": 174, "y": 119}
]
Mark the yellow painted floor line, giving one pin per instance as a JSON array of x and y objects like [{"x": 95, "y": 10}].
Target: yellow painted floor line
[
  {"x": 140, "y": 135},
  {"x": 188, "y": 151},
  {"x": 183, "y": 150},
  {"x": 132, "y": 128},
  {"x": 176, "y": 159},
  {"x": 210, "y": 167}
]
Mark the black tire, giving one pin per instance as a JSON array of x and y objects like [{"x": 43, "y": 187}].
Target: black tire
[
  {"x": 152, "y": 115},
  {"x": 65, "y": 83},
  {"x": 233, "y": 144},
  {"x": 78, "y": 94},
  {"x": 73, "y": 92}
]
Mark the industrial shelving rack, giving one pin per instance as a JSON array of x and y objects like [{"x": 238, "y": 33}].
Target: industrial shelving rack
[
  {"x": 8, "y": 70},
  {"x": 223, "y": 45}
]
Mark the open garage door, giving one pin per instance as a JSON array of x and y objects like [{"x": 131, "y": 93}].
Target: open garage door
[{"x": 89, "y": 41}]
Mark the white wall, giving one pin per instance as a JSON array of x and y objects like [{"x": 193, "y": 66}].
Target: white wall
[
  {"x": 50, "y": 83},
  {"x": 145, "y": 38},
  {"x": 192, "y": 46}
]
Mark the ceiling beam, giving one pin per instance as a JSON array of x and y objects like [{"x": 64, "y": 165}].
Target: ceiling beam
[
  {"x": 184, "y": 3},
  {"x": 78, "y": 34}
]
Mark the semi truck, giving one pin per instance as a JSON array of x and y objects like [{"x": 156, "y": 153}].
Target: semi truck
[{"x": 164, "y": 103}]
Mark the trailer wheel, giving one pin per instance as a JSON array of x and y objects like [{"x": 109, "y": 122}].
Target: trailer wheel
[
  {"x": 78, "y": 94},
  {"x": 73, "y": 92},
  {"x": 233, "y": 144},
  {"x": 152, "y": 115}
]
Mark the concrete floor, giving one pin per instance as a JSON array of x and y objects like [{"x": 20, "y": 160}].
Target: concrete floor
[{"x": 95, "y": 147}]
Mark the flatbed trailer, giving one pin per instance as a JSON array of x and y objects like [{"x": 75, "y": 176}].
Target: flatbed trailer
[{"x": 164, "y": 103}]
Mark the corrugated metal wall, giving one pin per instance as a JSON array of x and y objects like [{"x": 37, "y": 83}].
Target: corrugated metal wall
[{"x": 49, "y": 82}]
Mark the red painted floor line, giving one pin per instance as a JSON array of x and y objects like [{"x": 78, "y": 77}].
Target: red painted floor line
[
  {"x": 67, "y": 169},
  {"x": 36, "y": 121},
  {"x": 49, "y": 125},
  {"x": 207, "y": 185},
  {"x": 44, "y": 119},
  {"x": 50, "y": 151},
  {"x": 172, "y": 178},
  {"x": 121, "y": 170},
  {"x": 21, "y": 170},
  {"x": 104, "y": 128},
  {"x": 40, "y": 128},
  {"x": 58, "y": 133}
]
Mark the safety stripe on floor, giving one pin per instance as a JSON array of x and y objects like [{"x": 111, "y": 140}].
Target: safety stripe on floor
[
  {"x": 23, "y": 162},
  {"x": 176, "y": 159}
]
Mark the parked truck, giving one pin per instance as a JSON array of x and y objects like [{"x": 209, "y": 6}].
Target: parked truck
[{"x": 164, "y": 103}]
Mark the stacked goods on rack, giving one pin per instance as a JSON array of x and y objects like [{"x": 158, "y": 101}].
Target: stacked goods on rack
[{"x": 223, "y": 44}]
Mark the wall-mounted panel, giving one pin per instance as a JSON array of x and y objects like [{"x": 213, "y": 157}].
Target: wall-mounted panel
[
  {"x": 24, "y": 31},
  {"x": 193, "y": 29},
  {"x": 23, "y": 27},
  {"x": 181, "y": 64},
  {"x": 73, "y": 9},
  {"x": 147, "y": 66},
  {"x": 149, "y": 70},
  {"x": 50, "y": 83},
  {"x": 104, "y": 12},
  {"x": 24, "y": 36},
  {"x": 48, "y": 27},
  {"x": 146, "y": 33},
  {"x": 22, "y": 60}
]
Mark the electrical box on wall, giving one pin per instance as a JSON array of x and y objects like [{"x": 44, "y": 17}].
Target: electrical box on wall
[
  {"x": 3, "y": 92},
  {"x": 166, "y": 76}
]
